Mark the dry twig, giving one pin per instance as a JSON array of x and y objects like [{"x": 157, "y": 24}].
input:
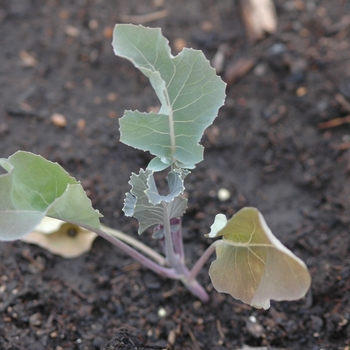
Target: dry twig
[
  {"x": 139, "y": 19},
  {"x": 334, "y": 122}
]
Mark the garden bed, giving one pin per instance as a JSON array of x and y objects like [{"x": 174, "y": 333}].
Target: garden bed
[{"x": 269, "y": 147}]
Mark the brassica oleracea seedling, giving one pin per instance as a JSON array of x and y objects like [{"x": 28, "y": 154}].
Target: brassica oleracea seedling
[{"x": 252, "y": 264}]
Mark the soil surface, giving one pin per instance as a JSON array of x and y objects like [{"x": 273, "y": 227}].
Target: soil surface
[{"x": 269, "y": 147}]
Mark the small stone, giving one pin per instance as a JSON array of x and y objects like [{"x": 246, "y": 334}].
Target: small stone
[
  {"x": 252, "y": 319},
  {"x": 35, "y": 319},
  {"x": 53, "y": 334},
  {"x": 27, "y": 59},
  {"x": 93, "y": 24},
  {"x": 112, "y": 115},
  {"x": 254, "y": 328},
  {"x": 179, "y": 44},
  {"x": 207, "y": 26},
  {"x": 260, "y": 70},
  {"x": 301, "y": 91},
  {"x": 72, "y": 31},
  {"x": 59, "y": 120},
  {"x": 224, "y": 194},
  {"x": 81, "y": 124},
  {"x": 108, "y": 32},
  {"x": 161, "y": 312},
  {"x": 111, "y": 97}
]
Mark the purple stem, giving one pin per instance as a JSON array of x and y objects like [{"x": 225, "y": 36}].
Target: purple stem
[
  {"x": 200, "y": 262},
  {"x": 178, "y": 270},
  {"x": 174, "y": 254},
  {"x": 143, "y": 260},
  {"x": 177, "y": 238}
]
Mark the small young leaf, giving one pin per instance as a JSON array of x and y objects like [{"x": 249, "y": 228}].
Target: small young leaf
[
  {"x": 145, "y": 203},
  {"x": 176, "y": 187},
  {"x": 189, "y": 90},
  {"x": 252, "y": 264},
  {"x": 35, "y": 187}
]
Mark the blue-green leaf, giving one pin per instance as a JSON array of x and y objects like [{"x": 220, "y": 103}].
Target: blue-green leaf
[
  {"x": 189, "y": 91},
  {"x": 34, "y": 188},
  {"x": 145, "y": 203}
]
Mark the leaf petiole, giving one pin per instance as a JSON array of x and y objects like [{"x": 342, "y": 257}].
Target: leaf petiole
[
  {"x": 201, "y": 261},
  {"x": 159, "y": 259},
  {"x": 142, "y": 259}
]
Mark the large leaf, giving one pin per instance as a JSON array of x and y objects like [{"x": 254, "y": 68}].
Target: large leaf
[
  {"x": 145, "y": 203},
  {"x": 189, "y": 90},
  {"x": 35, "y": 187},
  {"x": 252, "y": 264}
]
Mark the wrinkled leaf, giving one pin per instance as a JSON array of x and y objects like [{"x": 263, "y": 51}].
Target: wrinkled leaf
[
  {"x": 252, "y": 264},
  {"x": 176, "y": 187},
  {"x": 35, "y": 187},
  {"x": 61, "y": 238},
  {"x": 145, "y": 203},
  {"x": 189, "y": 90}
]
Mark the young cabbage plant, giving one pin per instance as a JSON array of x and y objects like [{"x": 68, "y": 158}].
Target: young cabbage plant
[{"x": 252, "y": 264}]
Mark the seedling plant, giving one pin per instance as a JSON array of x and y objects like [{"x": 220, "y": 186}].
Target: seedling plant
[{"x": 251, "y": 263}]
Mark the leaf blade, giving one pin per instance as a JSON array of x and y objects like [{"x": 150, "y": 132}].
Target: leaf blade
[
  {"x": 189, "y": 90},
  {"x": 33, "y": 188},
  {"x": 253, "y": 265},
  {"x": 144, "y": 203}
]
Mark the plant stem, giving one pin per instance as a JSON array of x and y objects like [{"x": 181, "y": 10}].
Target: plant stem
[
  {"x": 201, "y": 261},
  {"x": 196, "y": 289},
  {"x": 170, "y": 254},
  {"x": 177, "y": 271},
  {"x": 177, "y": 238},
  {"x": 177, "y": 262},
  {"x": 143, "y": 260},
  {"x": 159, "y": 259}
]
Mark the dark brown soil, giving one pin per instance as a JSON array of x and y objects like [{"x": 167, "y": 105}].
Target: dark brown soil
[{"x": 266, "y": 147}]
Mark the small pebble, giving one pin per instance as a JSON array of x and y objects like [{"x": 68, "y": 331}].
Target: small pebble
[
  {"x": 254, "y": 328},
  {"x": 260, "y": 70},
  {"x": 224, "y": 194},
  {"x": 252, "y": 319},
  {"x": 161, "y": 312},
  {"x": 301, "y": 91},
  {"x": 108, "y": 32},
  {"x": 27, "y": 59},
  {"x": 81, "y": 124},
  {"x": 112, "y": 115},
  {"x": 72, "y": 31},
  {"x": 111, "y": 97},
  {"x": 179, "y": 44},
  {"x": 59, "y": 120},
  {"x": 35, "y": 319},
  {"x": 93, "y": 24},
  {"x": 207, "y": 26}
]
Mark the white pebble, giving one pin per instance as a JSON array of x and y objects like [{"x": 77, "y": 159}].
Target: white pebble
[
  {"x": 224, "y": 194},
  {"x": 161, "y": 312}
]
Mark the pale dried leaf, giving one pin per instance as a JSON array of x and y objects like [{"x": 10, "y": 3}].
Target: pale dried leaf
[
  {"x": 259, "y": 18},
  {"x": 61, "y": 238}
]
